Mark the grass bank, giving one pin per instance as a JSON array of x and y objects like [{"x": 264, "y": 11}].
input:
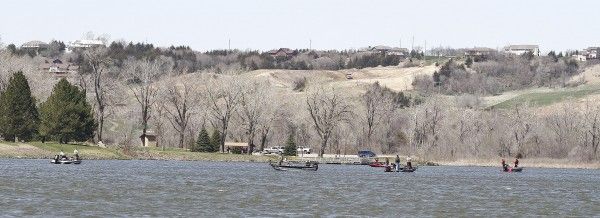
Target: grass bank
[{"x": 38, "y": 150}]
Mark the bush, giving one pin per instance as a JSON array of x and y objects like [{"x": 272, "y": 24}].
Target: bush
[{"x": 299, "y": 84}]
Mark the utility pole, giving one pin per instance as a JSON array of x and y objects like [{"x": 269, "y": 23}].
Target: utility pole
[
  {"x": 412, "y": 44},
  {"x": 425, "y": 48},
  {"x": 229, "y": 44},
  {"x": 310, "y": 44}
]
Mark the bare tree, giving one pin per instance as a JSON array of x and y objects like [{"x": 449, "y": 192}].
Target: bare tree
[
  {"x": 591, "y": 129},
  {"x": 327, "y": 110},
  {"x": 253, "y": 99},
  {"x": 179, "y": 105},
  {"x": 377, "y": 105},
  {"x": 98, "y": 65},
  {"x": 140, "y": 77},
  {"x": 223, "y": 98},
  {"x": 521, "y": 128}
]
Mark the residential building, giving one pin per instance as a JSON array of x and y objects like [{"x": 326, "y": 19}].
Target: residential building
[
  {"x": 479, "y": 52},
  {"x": 58, "y": 67},
  {"x": 593, "y": 52},
  {"x": 387, "y": 50},
  {"x": 522, "y": 49},
  {"x": 85, "y": 43},
  {"x": 34, "y": 45},
  {"x": 282, "y": 52}
]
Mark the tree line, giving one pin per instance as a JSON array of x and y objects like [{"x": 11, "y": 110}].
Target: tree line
[{"x": 65, "y": 116}]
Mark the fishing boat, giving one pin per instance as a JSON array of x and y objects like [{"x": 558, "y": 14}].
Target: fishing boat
[
  {"x": 65, "y": 161},
  {"x": 377, "y": 164},
  {"x": 282, "y": 167},
  {"x": 402, "y": 170},
  {"x": 514, "y": 170}
]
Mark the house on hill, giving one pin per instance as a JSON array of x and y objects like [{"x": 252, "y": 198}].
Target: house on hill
[
  {"x": 593, "y": 52},
  {"x": 34, "y": 45},
  {"x": 479, "y": 52},
  {"x": 522, "y": 49},
  {"x": 386, "y": 50},
  {"x": 58, "y": 67},
  {"x": 85, "y": 43},
  {"x": 282, "y": 52}
]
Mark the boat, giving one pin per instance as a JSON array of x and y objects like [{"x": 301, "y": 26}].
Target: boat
[
  {"x": 402, "y": 170},
  {"x": 514, "y": 170},
  {"x": 377, "y": 164},
  {"x": 408, "y": 170},
  {"x": 65, "y": 161},
  {"x": 311, "y": 167}
]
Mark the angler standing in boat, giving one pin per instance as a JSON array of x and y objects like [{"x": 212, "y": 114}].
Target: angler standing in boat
[
  {"x": 397, "y": 161},
  {"x": 76, "y": 154},
  {"x": 408, "y": 163},
  {"x": 504, "y": 165},
  {"x": 516, "y": 162},
  {"x": 62, "y": 154},
  {"x": 281, "y": 160}
]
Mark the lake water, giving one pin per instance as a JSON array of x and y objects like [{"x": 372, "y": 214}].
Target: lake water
[{"x": 180, "y": 188}]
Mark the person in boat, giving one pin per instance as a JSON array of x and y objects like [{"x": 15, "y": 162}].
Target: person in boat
[
  {"x": 281, "y": 160},
  {"x": 76, "y": 154},
  {"x": 408, "y": 163},
  {"x": 516, "y": 162},
  {"x": 504, "y": 165},
  {"x": 307, "y": 163},
  {"x": 397, "y": 161},
  {"x": 387, "y": 161},
  {"x": 62, "y": 155}
]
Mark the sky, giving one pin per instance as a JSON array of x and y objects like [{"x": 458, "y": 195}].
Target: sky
[{"x": 329, "y": 24}]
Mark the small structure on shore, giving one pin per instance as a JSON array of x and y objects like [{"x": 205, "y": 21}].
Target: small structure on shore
[
  {"x": 148, "y": 139},
  {"x": 236, "y": 147}
]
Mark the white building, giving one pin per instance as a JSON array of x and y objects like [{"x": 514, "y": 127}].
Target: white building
[
  {"x": 34, "y": 44},
  {"x": 522, "y": 49},
  {"x": 85, "y": 43},
  {"x": 592, "y": 52}
]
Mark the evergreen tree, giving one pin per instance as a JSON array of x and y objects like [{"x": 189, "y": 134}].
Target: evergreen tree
[
  {"x": 215, "y": 140},
  {"x": 469, "y": 62},
  {"x": 18, "y": 113},
  {"x": 66, "y": 115},
  {"x": 203, "y": 143},
  {"x": 290, "y": 146}
]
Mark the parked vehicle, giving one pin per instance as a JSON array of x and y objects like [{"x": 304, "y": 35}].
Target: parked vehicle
[
  {"x": 304, "y": 150},
  {"x": 366, "y": 153},
  {"x": 274, "y": 150}
]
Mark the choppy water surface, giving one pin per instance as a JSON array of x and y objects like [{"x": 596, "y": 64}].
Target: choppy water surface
[{"x": 177, "y": 188}]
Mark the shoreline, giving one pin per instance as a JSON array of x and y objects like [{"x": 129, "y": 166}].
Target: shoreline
[
  {"x": 38, "y": 150},
  {"x": 546, "y": 163}
]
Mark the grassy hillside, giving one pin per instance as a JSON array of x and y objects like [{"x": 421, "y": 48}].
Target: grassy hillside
[{"x": 548, "y": 98}]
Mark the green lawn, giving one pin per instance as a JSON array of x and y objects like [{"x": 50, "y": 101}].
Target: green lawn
[
  {"x": 548, "y": 98},
  {"x": 85, "y": 151}
]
